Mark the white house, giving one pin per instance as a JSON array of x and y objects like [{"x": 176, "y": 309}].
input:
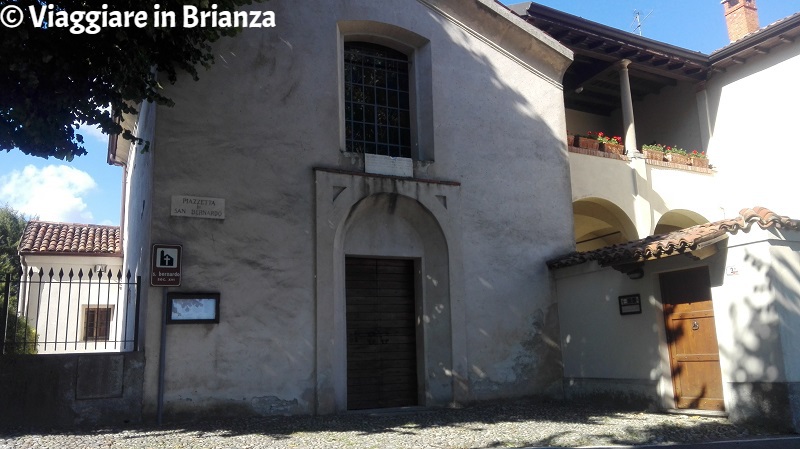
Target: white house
[
  {"x": 630, "y": 315},
  {"x": 73, "y": 293}
]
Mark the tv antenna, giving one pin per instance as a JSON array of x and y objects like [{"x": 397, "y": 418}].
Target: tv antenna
[{"x": 639, "y": 21}]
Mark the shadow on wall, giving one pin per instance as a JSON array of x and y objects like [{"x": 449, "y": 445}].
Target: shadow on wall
[
  {"x": 512, "y": 330},
  {"x": 761, "y": 392}
]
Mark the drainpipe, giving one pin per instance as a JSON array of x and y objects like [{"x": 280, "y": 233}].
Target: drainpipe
[
  {"x": 627, "y": 108},
  {"x": 162, "y": 361}
]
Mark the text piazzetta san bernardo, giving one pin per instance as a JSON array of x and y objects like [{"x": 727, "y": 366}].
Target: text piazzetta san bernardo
[{"x": 46, "y": 16}]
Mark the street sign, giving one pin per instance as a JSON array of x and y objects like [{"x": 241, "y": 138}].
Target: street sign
[{"x": 166, "y": 266}]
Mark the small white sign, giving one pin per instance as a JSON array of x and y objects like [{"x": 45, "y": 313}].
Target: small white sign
[
  {"x": 387, "y": 165},
  {"x": 198, "y": 207}
]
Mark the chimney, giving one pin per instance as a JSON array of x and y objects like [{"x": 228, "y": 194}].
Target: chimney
[{"x": 741, "y": 17}]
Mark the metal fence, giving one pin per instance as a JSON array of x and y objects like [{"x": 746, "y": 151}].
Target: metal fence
[{"x": 57, "y": 312}]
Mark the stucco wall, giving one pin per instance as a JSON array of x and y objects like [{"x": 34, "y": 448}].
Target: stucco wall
[
  {"x": 756, "y": 300},
  {"x": 137, "y": 207},
  {"x": 752, "y": 111},
  {"x": 645, "y": 192},
  {"x": 251, "y": 130},
  {"x": 606, "y": 354},
  {"x": 673, "y": 189},
  {"x": 757, "y": 311}
]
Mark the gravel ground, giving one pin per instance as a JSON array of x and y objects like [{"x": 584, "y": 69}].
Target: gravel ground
[{"x": 503, "y": 424}]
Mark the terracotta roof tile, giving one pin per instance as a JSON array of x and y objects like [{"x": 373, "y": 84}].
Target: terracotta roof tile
[
  {"x": 677, "y": 242},
  {"x": 43, "y": 237}
]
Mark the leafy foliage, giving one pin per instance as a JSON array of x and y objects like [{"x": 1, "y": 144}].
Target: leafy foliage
[
  {"x": 12, "y": 225},
  {"x": 52, "y": 81}
]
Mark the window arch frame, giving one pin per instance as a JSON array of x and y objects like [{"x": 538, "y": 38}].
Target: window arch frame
[{"x": 418, "y": 50}]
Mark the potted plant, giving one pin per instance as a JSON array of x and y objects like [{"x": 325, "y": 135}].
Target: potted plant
[
  {"x": 588, "y": 142},
  {"x": 570, "y": 139},
  {"x": 654, "y": 152},
  {"x": 677, "y": 155},
  {"x": 611, "y": 144},
  {"x": 699, "y": 159}
]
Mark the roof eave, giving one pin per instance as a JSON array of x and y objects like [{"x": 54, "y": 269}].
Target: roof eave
[
  {"x": 69, "y": 254},
  {"x": 606, "y": 32},
  {"x": 766, "y": 33}
]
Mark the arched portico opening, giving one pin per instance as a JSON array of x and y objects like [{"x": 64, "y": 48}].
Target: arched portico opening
[
  {"x": 678, "y": 219},
  {"x": 600, "y": 223}
]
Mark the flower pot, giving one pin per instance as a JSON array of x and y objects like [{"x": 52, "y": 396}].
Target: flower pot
[
  {"x": 680, "y": 159},
  {"x": 654, "y": 155},
  {"x": 588, "y": 143},
  {"x": 570, "y": 140},
  {"x": 699, "y": 162},
  {"x": 614, "y": 148}
]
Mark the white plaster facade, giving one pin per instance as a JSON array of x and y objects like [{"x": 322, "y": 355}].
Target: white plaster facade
[
  {"x": 489, "y": 203},
  {"x": 755, "y": 290},
  {"x": 751, "y": 110},
  {"x": 741, "y": 116},
  {"x": 55, "y": 305}
]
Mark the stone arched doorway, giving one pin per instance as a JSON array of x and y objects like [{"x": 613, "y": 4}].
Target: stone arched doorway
[
  {"x": 367, "y": 221},
  {"x": 395, "y": 321}
]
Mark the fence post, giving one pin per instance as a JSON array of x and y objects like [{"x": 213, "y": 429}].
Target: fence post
[{"x": 4, "y": 312}]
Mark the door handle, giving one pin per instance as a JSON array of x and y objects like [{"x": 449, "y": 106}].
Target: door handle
[{"x": 695, "y": 326}]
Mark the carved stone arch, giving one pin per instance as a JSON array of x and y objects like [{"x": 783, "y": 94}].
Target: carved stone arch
[{"x": 372, "y": 216}]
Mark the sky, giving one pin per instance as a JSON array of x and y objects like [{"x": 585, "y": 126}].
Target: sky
[
  {"x": 697, "y": 25},
  {"x": 88, "y": 190}
]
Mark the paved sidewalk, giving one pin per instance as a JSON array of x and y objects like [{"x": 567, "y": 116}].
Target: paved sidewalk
[{"x": 514, "y": 424}]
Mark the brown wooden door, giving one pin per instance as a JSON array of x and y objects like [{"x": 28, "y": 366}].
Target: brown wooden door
[
  {"x": 692, "y": 338},
  {"x": 381, "y": 333}
]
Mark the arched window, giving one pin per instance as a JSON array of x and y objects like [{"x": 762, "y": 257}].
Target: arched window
[{"x": 376, "y": 103}]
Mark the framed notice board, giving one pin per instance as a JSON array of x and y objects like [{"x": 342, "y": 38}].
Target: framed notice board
[
  {"x": 192, "y": 308},
  {"x": 630, "y": 304}
]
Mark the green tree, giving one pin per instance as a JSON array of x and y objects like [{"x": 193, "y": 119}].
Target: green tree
[
  {"x": 12, "y": 225},
  {"x": 52, "y": 80}
]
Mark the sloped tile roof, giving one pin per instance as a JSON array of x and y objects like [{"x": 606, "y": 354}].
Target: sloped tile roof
[
  {"x": 41, "y": 237},
  {"x": 762, "y": 30},
  {"x": 677, "y": 242}
]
